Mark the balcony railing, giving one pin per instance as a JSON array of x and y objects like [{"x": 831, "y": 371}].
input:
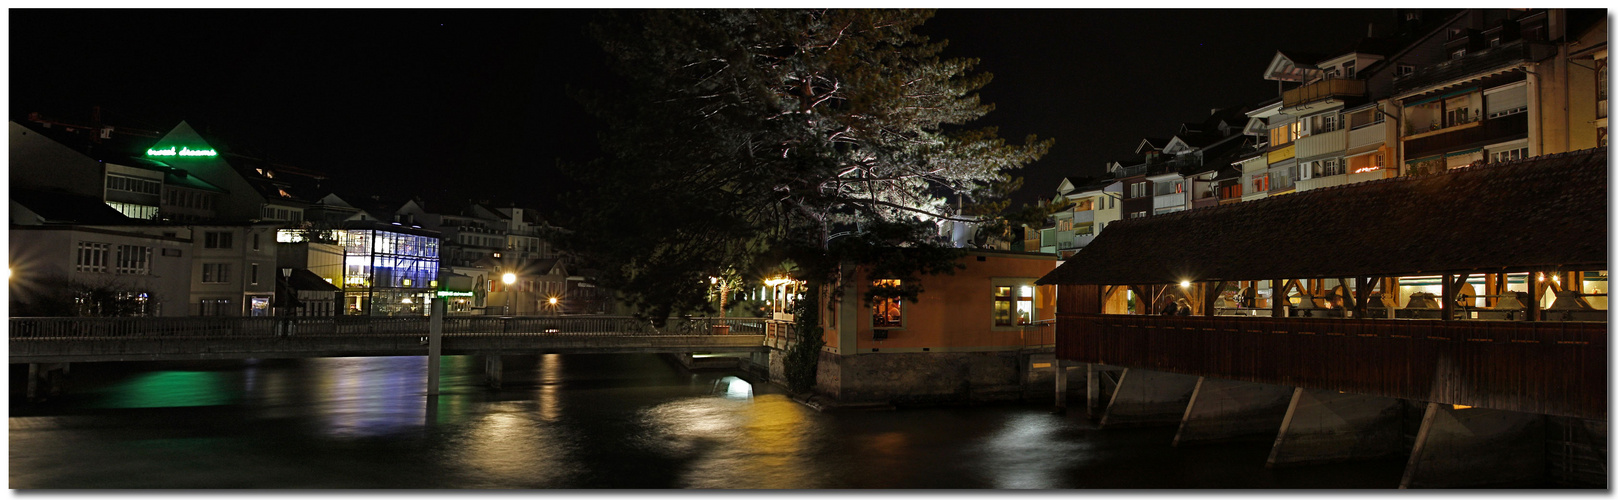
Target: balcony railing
[
  {"x": 1321, "y": 90},
  {"x": 1492, "y": 130},
  {"x": 1483, "y": 61}
]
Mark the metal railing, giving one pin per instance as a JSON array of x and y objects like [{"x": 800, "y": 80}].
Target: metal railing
[
  {"x": 1470, "y": 65},
  {"x": 250, "y": 327}
]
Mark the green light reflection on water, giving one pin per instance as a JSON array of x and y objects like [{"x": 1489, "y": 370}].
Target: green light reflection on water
[{"x": 170, "y": 389}]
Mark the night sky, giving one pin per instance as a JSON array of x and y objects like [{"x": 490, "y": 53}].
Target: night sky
[{"x": 453, "y": 105}]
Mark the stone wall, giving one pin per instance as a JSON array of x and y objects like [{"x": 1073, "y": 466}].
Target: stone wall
[{"x": 934, "y": 378}]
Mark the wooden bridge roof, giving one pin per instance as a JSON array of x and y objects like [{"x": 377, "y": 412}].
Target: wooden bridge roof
[{"x": 1541, "y": 212}]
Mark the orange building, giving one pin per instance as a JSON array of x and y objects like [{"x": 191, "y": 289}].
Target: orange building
[{"x": 970, "y": 336}]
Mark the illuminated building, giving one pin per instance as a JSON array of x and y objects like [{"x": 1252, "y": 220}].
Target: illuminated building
[{"x": 387, "y": 270}]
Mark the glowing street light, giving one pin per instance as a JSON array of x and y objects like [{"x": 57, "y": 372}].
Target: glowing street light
[
  {"x": 552, "y": 301},
  {"x": 1185, "y": 284},
  {"x": 508, "y": 279}
]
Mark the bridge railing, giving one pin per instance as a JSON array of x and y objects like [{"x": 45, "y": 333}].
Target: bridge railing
[{"x": 249, "y": 327}]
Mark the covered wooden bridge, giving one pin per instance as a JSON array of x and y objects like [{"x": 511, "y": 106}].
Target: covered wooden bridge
[{"x": 1470, "y": 288}]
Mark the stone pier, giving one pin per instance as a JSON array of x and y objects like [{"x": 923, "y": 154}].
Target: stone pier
[
  {"x": 1227, "y": 410},
  {"x": 1323, "y": 426},
  {"x": 1148, "y": 398},
  {"x": 1476, "y": 447}
]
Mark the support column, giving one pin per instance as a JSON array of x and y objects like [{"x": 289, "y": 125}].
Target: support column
[
  {"x": 1092, "y": 390},
  {"x": 435, "y": 344},
  {"x": 1061, "y": 384},
  {"x": 492, "y": 369},
  {"x": 1475, "y": 447},
  {"x": 1324, "y": 426},
  {"x": 1147, "y": 398},
  {"x": 1227, "y": 410},
  {"x": 33, "y": 381}
]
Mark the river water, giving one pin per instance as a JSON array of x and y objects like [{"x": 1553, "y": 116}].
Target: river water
[{"x": 573, "y": 421}]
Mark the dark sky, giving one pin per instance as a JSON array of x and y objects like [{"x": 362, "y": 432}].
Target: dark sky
[{"x": 458, "y": 104}]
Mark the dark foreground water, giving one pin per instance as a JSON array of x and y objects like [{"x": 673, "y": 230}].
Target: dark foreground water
[{"x": 575, "y": 421}]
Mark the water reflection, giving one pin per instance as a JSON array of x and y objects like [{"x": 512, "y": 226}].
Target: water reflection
[
  {"x": 613, "y": 421},
  {"x": 366, "y": 397},
  {"x": 170, "y": 389},
  {"x": 738, "y": 442},
  {"x": 508, "y": 447},
  {"x": 550, "y": 384},
  {"x": 1029, "y": 452}
]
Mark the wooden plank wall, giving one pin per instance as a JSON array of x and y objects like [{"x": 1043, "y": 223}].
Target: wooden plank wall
[{"x": 1552, "y": 368}]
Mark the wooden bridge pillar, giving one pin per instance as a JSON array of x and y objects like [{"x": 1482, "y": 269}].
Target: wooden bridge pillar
[
  {"x": 1146, "y": 398},
  {"x": 1227, "y": 410},
  {"x": 1323, "y": 426},
  {"x": 1472, "y": 447}
]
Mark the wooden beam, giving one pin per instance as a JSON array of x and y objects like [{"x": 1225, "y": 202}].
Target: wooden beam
[
  {"x": 1489, "y": 288},
  {"x": 1278, "y": 296},
  {"x": 1446, "y": 298},
  {"x": 1535, "y": 291},
  {"x": 1362, "y": 295},
  {"x": 1210, "y": 293}
]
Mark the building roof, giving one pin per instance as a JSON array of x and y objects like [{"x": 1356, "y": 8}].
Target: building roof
[
  {"x": 304, "y": 279},
  {"x": 64, "y": 208},
  {"x": 1539, "y": 212}
]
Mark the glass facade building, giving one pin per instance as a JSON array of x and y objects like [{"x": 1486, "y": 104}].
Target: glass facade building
[{"x": 388, "y": 272}]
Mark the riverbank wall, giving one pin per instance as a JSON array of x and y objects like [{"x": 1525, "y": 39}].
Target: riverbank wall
[{"x": 929, "y": 378}]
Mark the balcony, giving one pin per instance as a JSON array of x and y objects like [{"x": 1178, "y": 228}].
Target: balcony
[
  {"x": 1322, "y": 143},
  {"x": 1474, "y": 64},
  {"x": 1282, "y": 154},
  {"x": 1168, "y": 200},
  {"x": 1368, "y": 135},
  {"x": 1330, "y": 88},
  {"x": 1472, "y": 134}
]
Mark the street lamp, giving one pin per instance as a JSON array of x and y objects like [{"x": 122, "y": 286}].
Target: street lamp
[{"x": 508, "y": 279}]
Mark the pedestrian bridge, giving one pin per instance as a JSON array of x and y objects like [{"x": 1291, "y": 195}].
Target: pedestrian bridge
[{"x": 68, "y": 340}]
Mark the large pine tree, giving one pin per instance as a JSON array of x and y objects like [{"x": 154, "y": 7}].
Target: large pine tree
[{"x": 740, "y": 138}]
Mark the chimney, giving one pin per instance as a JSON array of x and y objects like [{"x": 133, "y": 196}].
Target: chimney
[{"x": 1370, "y": 30}]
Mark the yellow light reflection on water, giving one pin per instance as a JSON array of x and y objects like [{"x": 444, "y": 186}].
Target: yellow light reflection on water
[
  {"x": 506, "y": 446},
  {"x": 742, "y": 442}
]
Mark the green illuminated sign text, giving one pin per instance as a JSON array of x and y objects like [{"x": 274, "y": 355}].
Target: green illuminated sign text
[
  {"x": 447, "y": 293},
  {"x": 181, "y": 151}
]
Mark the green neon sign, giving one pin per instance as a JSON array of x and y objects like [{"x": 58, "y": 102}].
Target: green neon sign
[
  {"x": 181, "y": 151},
  {"x": 448, "y": 293}
]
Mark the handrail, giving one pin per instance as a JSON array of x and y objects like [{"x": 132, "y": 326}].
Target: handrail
[{"x": 34, "y": 328}]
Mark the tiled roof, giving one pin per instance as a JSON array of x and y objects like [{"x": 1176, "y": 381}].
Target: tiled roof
[{"x": 1544, "y": 211}]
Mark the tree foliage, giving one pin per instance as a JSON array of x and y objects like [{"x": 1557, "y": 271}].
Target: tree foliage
[{"x": 740, "y": 138}]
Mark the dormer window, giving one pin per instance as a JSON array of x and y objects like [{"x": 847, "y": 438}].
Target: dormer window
[
  {"x": 1405, "y": 69},
  {"x": 1348, "y": 69},
  {"x": 1459, "y": 53}
]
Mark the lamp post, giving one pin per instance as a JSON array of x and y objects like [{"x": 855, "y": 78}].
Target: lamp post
[{"x": 508, "y": 279}]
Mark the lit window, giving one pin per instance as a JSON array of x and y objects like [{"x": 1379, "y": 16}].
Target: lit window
[
  {"x": 1013, "y": 305},
  {"x": 887, "y": 312}
]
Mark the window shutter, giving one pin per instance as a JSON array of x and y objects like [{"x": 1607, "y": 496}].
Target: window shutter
[{"x": 1506, "y": 99}]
